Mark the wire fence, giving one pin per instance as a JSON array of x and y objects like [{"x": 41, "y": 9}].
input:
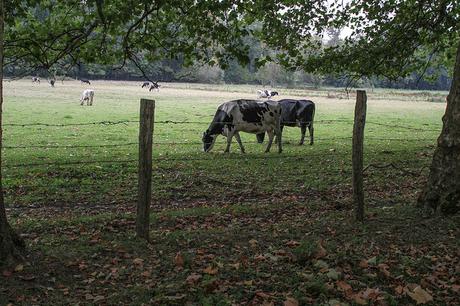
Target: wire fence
[{"x": 14, "y": 178}]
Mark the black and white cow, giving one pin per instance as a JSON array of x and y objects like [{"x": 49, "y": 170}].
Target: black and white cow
[
  {"x": 264, "y": 93},
  {"x": 36, "y": 80},
  {"x": 299, "y": 113},
  {"x": 249, "y": 116},
  {"x": 85, "y": 81},
  {"x": 154, "y": 86}
]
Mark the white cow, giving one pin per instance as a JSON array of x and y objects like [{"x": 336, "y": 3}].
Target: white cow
[{"x": 88, "y": 95}]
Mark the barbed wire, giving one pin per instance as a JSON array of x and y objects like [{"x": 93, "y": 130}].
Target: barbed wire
[
  {"x": 70, "y": 163},
  {"x": 71, "y": 124},
  {"x": 324, "y": 121},
  {"x": 71, "y": 146},
  {"x": 127, "y": 144}
]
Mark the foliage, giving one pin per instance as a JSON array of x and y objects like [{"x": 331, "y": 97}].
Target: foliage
[
  {"x": 387, "y": 38},
  {"x": 157, "y": 41}
]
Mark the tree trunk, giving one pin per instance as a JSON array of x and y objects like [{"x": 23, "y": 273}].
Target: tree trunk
[
  {"x": 442, "y": 191},
  {"x": 10, "y": 243}
]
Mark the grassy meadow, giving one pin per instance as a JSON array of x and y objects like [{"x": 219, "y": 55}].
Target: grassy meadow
[{"x": 227, "y": 229}]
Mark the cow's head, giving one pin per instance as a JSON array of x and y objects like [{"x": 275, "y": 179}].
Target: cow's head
[
  {"x": 274, "y": 93},
  {"x": 208, "y": 141}
]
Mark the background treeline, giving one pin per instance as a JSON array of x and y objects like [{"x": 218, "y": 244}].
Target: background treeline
[{"x": 271, "y": 74}]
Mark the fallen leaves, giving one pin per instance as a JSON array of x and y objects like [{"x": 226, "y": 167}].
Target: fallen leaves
[
  {"x": 19, "y": 268},
  {"x": 138, "y": 261},
  {"x": 179, "y": 260},
  {"x": 291, "y": 302},
  {"x": 210, "y": 270},
  {"x": 383, "y": 268},
  {"x": 419, "y": 295},
  {"x": 193, "y": 278}
]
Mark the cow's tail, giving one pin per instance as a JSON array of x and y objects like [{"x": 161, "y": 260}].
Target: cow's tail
[
  {"x": 313, "y": 115},
  {"x": 310, "y": 127}
]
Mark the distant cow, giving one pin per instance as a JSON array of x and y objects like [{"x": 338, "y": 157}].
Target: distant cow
[
  {"x": 36, "y": 80},
  {"x": 87, "y": 95},
  {"x": 299, "y": 113},
  {"x": 154, "y": 86},
  {"x": 85, "y": 81},
  {"x": 268, "y": 94},
  {"x": 247, "y": 116},
  {"x": 52, "y": 82}
]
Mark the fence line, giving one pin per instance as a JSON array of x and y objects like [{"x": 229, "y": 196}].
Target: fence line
[
  {"x": 71, "y": 146},
  {"x": 127, "y": 144},
  {"x": 71, "y": 124},
  {"x": 324, "y": 121}
]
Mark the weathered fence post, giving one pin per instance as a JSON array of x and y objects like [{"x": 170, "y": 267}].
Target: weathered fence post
[
  {"x": 146, "y": 121},
  {"x": 357, "y": 155}
]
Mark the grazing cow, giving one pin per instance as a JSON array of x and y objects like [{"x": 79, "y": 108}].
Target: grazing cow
[
  {"x": 36, "y": 80},
  {"x": 154, "y": 86},
  {"x": 299, "y": 113},
  {"x": 88, "y": 95},
  {"x": 249, "y": 116},
  {"x": 52, "y": 82},
  {"x": 85, "y": 81},
  {"x": 145, "y": 84},
  {"x": 268, "y": 94}
]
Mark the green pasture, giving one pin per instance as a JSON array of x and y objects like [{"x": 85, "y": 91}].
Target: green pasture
[
  {"x": 402, "y": 131},
  {"x": 226, "y": 229}
]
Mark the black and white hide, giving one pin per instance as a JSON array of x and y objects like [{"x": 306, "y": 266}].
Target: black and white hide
[
  {"x": 248, "y": 116},
  {"x": 155, "y": 86},
  {"x": 300, "y": 113},
  {"x": 266, "y": 94},
  {"x": 36, "y": 80}
]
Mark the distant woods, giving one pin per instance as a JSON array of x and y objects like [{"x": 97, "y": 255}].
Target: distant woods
[{"x": 270, "y": 74}]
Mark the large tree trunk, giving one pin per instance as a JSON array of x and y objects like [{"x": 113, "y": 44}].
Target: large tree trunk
[
  {"x": 442, "y": 191},
  {"x": 10, "y": 242}
]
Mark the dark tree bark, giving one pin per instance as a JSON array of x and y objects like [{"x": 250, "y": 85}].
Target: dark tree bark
[
  {"x": 442, "y": 191},
  {"x": 10, "y": 243}
]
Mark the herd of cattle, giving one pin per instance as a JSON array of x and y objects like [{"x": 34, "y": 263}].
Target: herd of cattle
[{"x": 250, "y": 116}]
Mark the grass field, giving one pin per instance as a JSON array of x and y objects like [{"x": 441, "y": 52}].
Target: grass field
[{"x": 227, "y": 228}]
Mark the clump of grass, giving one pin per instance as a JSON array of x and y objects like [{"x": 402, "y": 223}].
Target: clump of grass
[{"x": 305, "y": 251}]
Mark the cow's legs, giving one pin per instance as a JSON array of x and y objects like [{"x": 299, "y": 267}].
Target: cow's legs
[
  {"x": 91, "y": 100},
  {"x": 310, "y": 130},
  {"x": 281, "y": 132},
  {"x": 229, "y": 141},
  {"x": 238, "y": 139},
  {"x": 82, "y": 101},
  {"x": 271, "y": 135},
  {"x": 303, "y": 130}
]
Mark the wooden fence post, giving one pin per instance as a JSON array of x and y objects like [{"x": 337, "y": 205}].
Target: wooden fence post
[
  {"x": 146, "y": 121},
  {"x": 357, "y": 155}
]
